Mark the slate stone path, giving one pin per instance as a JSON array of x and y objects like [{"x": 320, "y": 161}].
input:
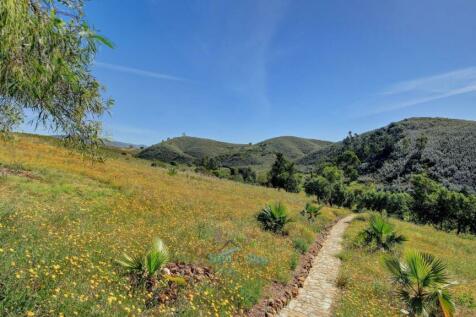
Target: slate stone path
[{"x": 316, "y": 296}]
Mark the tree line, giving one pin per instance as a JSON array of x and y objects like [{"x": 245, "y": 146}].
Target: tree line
[{"x": 425, "y": 201}]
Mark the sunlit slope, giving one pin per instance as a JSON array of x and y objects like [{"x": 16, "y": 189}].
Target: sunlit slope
[
  {"x": 64, "y": 219},
  {"x": 443, "y": 148},
  {"x": 260, "y": 156},
  {"x": 368, "y": 291}
]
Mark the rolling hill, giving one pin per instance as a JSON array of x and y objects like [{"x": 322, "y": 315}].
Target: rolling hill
[
  {"x": 443, "y": 148},
  {"x": 64, "y": 221},
  {"x": 191, "y": 149}
]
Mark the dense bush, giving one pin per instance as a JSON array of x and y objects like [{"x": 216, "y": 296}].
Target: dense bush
[
  {"x": 311, "y": 211},
  {"x": 426, "y": 201},
  {"x": 283, "y": 174},
  {"x": 274, "y": 217},
  {"x": 211, "y": 166},
  {"x": 247, "y": 174},
  {"x": 380, "y": 234},
  {"x": 328, "y": 186},
  {"x": 443, "y": 148},
  {"x": 397, "y": 204},
  {"x": 446, "y": 209}
]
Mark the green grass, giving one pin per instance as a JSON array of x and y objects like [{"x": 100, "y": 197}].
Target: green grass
[
  {"x": 187, "y": 150},
  {"x": 64, "y": 222},
  {"x": 369, "y": 292}
]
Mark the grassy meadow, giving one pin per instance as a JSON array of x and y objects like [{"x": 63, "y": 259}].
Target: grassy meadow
[
  {"x": 63, "y": 221},
  {"x": 367, "y": 290}
]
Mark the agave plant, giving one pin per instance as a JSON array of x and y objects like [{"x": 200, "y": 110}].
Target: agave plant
[
  {"x": 382, "y": 233},
  {"x": 149, "y": 264},
  {"x": 274, "y": 217},
  {"x": 311, "y": 211},
  {"x": 422, "y": 282}
]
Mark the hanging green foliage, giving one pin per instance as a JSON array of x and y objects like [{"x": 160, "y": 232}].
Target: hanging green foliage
[{"x": 46, "y": 51}]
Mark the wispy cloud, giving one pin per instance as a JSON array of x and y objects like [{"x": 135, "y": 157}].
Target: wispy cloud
[
  {"x": 137, "y": 71},
  {"x": 422, "y": 90},
  {"x": 242, "y": 50}
]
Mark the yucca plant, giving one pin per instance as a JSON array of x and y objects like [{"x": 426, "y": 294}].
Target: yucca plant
[
  {"x": 148, "y": 265},
  {"x": 311, "y": 211},
  {"x": 274, "y": 217},
  {"x": 133, "y": 264},
  {"x": 381, "y": 232},
  {"x": 422, "y": 283},
  {"x": 156, "y": 258}
]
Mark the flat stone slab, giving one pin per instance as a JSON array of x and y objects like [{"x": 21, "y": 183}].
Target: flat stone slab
[{"x": 316, "y": 296}]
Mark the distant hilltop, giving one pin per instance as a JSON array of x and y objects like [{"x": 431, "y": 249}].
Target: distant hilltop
[{"x": 443, "y": 148}]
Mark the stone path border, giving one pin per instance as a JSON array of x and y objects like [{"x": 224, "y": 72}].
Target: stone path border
[{"x": 316, "y": 296}]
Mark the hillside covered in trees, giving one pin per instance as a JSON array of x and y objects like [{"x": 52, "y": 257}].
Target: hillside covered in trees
[
  {"x": 442, "y": 148},
  {"x": 191, "y": 150}
]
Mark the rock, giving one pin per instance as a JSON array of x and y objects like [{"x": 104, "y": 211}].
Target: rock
[{"x": 199, "y": 271}]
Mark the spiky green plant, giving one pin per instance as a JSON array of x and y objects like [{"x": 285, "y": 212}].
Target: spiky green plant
[
  {"x": 311, "y": 211},
  {"x": 381, "y": 233},
  {"x": 156, "y": 258},
  {"x": 149, "y": 264},
  {"x": 422, "y": 284},
  {"x": 274, "y": 217},
  {"x": 133, "y": 264}
]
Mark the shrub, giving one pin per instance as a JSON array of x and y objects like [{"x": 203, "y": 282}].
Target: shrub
[
  {"x": 250, "y": 291},
  {"x": 293, "y": 262},
  {"x": 274, "y": 217},
  {"x": 319, "y": 187},
  {"x": 249, "y": 175},
  {"x": 328, "y": 186},
  {"x": 283, "y": 174},
  {"x": 172, "y": 171},
  {"x": 381, "y": 233},
  {"x": 342, "y": 280},
  {"x": 300, "y": 245},
  {"x": 311, "y": 211},
  {"x": 422, "y": 284},
  {"x": 149, "y": 264}
]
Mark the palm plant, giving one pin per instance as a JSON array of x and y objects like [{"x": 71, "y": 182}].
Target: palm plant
[
  {"x": 149, "y": 264},
  {"x": 133, "y": 264},
  {"x": 422, "y": 281},
  {"x": 382, "y": 233},
  {"x": 274, "y": 217},
  {"x": 311, "y": 211},
  {"x": 156, "y": 258}
]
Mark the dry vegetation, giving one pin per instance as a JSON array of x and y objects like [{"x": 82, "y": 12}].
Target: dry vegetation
[{"x": 64, "y": 220}]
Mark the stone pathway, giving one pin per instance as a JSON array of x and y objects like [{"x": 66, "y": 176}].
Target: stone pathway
[{"x": 317, "y": 294}]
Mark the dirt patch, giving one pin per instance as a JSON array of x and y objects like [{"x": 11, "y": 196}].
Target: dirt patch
[
  {"x": 191, "y": 272},
  {"x": 176, "y": 278},
  {"x": 278, "y": 295},
  {"x": 5, "y": 171}
]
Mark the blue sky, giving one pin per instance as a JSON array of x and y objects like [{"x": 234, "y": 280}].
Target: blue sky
[{"x": 247, "y": 70}]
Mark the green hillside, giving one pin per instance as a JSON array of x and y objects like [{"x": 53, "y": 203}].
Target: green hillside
[
  {"x": 188, "y": 149},
  {"x": 191, "y": 149},
  {"x": 292, "y": 147},
  {"x": 444, "y": 148},
  {"x": 64, "y": 221}
]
